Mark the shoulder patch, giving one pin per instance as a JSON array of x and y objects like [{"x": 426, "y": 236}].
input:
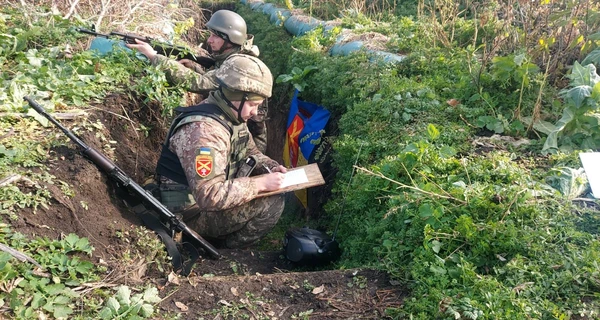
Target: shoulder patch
[{"x": 204, "y": 162}]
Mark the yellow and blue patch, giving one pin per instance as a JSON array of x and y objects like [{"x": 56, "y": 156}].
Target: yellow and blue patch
[{"x": 204, "y": 162}]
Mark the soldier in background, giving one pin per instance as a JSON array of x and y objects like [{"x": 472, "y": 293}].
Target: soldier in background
[
  {"x": 205, "y": 157},
  {"x": 228, "y": 36}
]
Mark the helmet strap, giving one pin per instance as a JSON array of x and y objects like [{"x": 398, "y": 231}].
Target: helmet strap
[
  {"x": 237, "y": 110},
  {"x": 227, "y": 44}
]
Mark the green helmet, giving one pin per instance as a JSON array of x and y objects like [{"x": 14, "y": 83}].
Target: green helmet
[
  {"x": 242, "y": 72},
  {"x": 229, "y": 26}
]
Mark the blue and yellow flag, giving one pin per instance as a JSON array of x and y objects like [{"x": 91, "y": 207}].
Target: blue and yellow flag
[{"x": 304, "y": 127}]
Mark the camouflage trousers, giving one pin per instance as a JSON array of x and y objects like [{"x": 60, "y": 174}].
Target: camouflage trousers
[{"x": 240, "y": 226}]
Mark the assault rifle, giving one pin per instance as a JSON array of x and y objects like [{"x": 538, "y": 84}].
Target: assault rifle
[
  {"x": 148, "y": 201},
  {"x": 162, "y": 48}
]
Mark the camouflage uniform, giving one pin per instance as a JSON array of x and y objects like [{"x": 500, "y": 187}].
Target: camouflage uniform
[
  {"x": 202, "y": 81},
  {"x": 226, "y": 206}
]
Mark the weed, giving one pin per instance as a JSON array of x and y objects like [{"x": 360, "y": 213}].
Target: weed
[
  {"x": 127, "y": 306},
  {"x": 358, "y": 282},
  {"x": 305, "y": 315},
  {"x": 307, "y": 285}
]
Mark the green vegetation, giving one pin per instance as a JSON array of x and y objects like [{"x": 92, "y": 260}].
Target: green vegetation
[
  {"x": 476, "y": 230},
  {"x": 477, "y": 227}
]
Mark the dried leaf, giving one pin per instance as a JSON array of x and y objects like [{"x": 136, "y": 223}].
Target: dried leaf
[
  {"x": 38, "y": 272},
  {"x": 234, "y": 291},
  {"x": 225, "y": 303},
  {"x": 173, "y": 278},
  {"x": 453, "y": 102},
  {"x": 181, "y": 306},
  {"x": 318, "y": 290},
  {"x": 522, "y": 286}
]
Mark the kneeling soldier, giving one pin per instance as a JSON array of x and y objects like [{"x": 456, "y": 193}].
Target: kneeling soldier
[{"x": 206, "y": 153}]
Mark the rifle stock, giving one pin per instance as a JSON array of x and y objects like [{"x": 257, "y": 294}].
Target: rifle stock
[
  {"x": 161, "y": 48},
  {"x": 116, "y": 174}
]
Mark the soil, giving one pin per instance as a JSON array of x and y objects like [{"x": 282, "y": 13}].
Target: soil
[{"x": 248, "y": 284}]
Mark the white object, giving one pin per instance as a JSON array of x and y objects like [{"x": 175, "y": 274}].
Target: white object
[
  {"x": 294, "y": 177},
  {"x": 591, "y": 165}
]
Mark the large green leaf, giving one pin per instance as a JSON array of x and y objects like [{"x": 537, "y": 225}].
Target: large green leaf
[
  {"x": 544, "y": 127},
  {"x": 578, "y": 94},
  {"x": 592, "y": 57},
  {"x": 596, "y": 94},
  {"x": 552, "y": 140},
  {"x": 583, "y": 75}
]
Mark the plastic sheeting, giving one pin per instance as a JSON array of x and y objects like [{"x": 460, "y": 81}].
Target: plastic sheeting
[
  {"x": 102, "y": 46},
  {"x": 299, "y": 25},
  {"x": 296, "y": 26}
]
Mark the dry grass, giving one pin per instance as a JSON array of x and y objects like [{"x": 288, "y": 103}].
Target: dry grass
[{"x": 153, "y": 18}]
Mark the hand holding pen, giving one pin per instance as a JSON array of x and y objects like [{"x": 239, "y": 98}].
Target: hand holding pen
[{"x": 279, "y": 168}]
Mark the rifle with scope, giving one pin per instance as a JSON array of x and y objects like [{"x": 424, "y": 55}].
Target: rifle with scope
[
  {"x": 161, "y": 48},
  {"x": 149, "y": 202}
]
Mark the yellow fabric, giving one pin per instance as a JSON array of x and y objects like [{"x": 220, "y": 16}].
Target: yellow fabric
[{"x": 300, "y": 194}]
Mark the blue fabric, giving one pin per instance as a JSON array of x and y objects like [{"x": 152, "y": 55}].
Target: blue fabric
[
  {"x": 103, "y": 46},
  {"x": 268, "y": 8},
  {"x": 276, "y": 14},
  {"x": 315, "y": 119},
  {"x": 386, "y": 57},
  {"x": 296, "y": 27},
  {"x": 346, "y": 48},
  {"x": 256, "y": 5}
]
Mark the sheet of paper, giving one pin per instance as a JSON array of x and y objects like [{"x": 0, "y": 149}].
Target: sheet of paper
[
  {"x": 591, "y": 165},
  {"x": 294, "y": 177}
]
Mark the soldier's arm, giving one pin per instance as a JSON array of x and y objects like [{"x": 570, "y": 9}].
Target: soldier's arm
[
  {"x": 204, "y": 145},
  {"x": 178, "y": 74}
]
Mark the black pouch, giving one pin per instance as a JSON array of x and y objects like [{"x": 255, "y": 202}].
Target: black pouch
[{"x": 247, "y": 167}]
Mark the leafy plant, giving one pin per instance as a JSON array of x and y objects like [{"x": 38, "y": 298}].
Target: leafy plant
[
  {"x": 515, "y": 70},
  {"x": 124, "y": 305},
  {"x": 579, "y": 125},
  {"x": 296, "y": 77}
]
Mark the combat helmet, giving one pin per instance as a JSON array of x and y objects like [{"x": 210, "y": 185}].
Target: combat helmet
[
  {"x": 245, "y": 73},
  {"x": 229, "y": 26}
]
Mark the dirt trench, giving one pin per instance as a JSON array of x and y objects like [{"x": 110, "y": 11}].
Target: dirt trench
[{"x": 248, "y": 283}]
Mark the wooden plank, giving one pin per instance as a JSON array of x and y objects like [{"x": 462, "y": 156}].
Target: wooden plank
[{"x": 315, "y": 178}]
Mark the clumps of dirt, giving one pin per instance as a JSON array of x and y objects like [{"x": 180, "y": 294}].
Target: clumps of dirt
[
  {"x": 370, "y": 40},
  {"x": 243, "y": 286}
]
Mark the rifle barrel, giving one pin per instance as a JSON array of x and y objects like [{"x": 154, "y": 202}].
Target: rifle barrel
[
  {"x": 160, "y": 47},
  {"x": 120, "y": 177},
  {"x": 94, "y": 33}
]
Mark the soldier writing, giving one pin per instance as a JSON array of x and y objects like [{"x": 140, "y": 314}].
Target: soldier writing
[
  {"x": 206, "y": 148},
  {"x": 228, "y": 36}
]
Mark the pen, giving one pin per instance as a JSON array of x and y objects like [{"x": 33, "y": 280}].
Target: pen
[{"x": 268, "y": 170}]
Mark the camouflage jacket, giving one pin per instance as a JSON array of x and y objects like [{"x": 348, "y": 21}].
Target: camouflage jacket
[
  {"x": 204, "y": 149},
  {"x": 193, "y": 80}
]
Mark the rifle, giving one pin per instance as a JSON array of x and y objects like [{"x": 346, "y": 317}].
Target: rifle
[
  {"x": 151, "y": 203},
  {"x": 162, "y": 48}
]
